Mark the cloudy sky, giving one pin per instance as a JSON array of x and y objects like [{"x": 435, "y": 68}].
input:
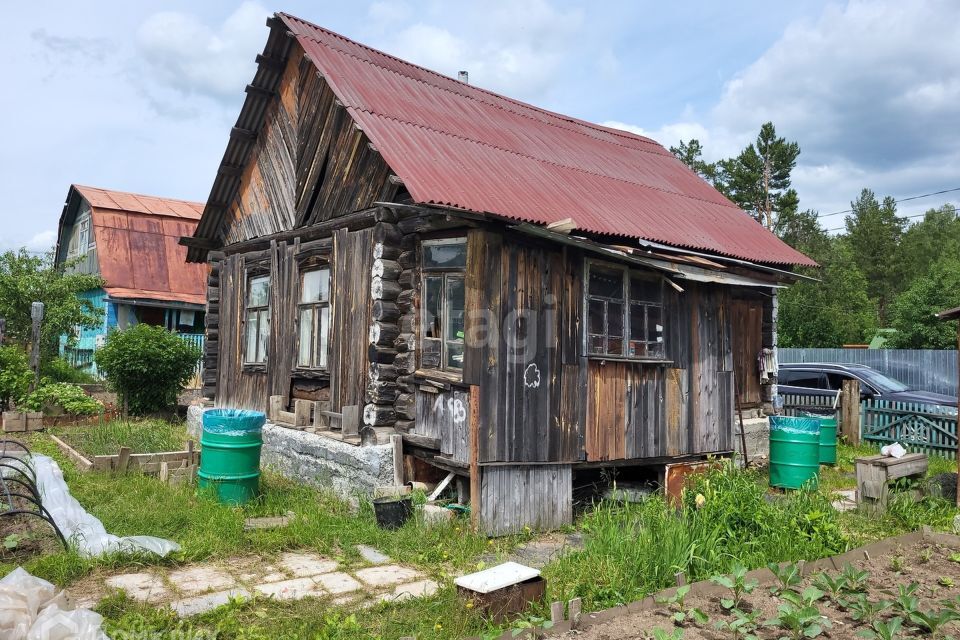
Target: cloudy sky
[{"x": 140, "y": 96}]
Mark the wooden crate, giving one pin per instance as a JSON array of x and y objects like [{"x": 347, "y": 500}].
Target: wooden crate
[{"x": 19, "y": 421}]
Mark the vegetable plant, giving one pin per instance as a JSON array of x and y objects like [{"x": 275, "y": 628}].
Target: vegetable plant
[
  {"x": 681, "y": 614},
  {"x": 738, "y": 585},
  {"x": 742, "y": 627},
  {"x": 862, "y": 609},
  {"x": 674, "y": 634},
  {"x": 799, "y": 621},
  {"x": 856, "y": 579},
  {"x": 806, "y": 598},
  {"x": 932, "y": 621},
  {"x": 832, "y": 586},
  {"x": 787, "y": 575},
  {"x": 880, "y": 630},
  {"x": 906, "y": 601},
  {"x": 12, "y": 541}
]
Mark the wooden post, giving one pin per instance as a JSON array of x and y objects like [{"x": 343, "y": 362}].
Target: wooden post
[
  {"x": 475, "y": 457},
  {"x": 958, "y": 412},
  {"x": 36, "y": 318},
  {"x": 850, "y": 411},
  {"x": 301, "y": 412},
  {"x": 396, "y": 441},
  {"x": 276, "y": 406}
]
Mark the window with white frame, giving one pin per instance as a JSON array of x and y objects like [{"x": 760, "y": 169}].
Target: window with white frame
[
  {"x": 257, "y": 327},
  {"x": 443, "y": 265},
  {"x": 624, "y": 313},
  {"x": 314, "y": 317}
]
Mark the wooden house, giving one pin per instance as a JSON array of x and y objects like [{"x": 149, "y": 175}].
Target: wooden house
[
  {"x": 131, "y": 241},
  {"x": 524, "y": 296}
]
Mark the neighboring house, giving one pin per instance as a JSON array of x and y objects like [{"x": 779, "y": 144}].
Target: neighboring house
[
  {"x": 460, "y": 267},
  {"x": 131, "y": 241}
]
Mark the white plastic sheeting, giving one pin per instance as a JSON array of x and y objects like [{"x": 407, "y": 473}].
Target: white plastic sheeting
[
  {"x": 82, "y": 530},
  {"x": 32, "y": 609}
]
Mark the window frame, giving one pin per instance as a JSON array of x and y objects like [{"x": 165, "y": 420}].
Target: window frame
[
  {"x": 317, "y": 362},
  {"x": 446, "y": 275},
  {"x": 262, "y": 311},
  {"x": 627, "y": 304}
]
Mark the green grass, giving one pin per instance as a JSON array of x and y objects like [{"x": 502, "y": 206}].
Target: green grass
[
  {"x": 630, "y": 550},
  {"x": 141, "y": 436}
]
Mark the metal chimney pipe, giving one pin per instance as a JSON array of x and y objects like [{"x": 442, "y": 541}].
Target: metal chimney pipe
[{"x": 463, "y": 77}]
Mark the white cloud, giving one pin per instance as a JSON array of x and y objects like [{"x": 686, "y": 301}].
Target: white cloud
[
  {"x": 515, "y": 48},
  {"x": 870, "y": 90},
  {"x": 42, "y": 241},
  {"x": 187, "y": 55}
]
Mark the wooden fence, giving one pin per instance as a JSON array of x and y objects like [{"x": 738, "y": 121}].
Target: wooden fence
[{"x": 923, "y": 428}]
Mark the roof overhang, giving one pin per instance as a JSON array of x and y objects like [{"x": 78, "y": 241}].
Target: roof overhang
[{"x": 949, "y": 314}]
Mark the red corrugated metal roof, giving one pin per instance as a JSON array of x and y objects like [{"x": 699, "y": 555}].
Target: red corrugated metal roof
[
  {"x": 138, "y": 246},
  {"x": 137, "y": 203},
  {"x": 456, "y": 145}
]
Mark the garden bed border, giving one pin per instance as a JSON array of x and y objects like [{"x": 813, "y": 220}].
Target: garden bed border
[
  {"x": 706, "y": 588},
  {"x": 167, "y": 464}
]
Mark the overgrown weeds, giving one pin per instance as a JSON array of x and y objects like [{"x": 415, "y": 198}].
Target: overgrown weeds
[{"x": 141, "y": 436}]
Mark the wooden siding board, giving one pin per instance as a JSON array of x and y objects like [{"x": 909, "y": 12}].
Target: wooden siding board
[{"x": 538, "y": 496}]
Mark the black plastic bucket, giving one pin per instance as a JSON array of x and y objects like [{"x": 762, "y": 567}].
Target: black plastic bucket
[{"x": 392, "y": 512}]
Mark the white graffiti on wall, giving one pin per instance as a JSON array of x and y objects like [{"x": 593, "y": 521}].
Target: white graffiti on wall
[
  {"x": 531, "y": 376},
  {"x": 453, "y": 407}
]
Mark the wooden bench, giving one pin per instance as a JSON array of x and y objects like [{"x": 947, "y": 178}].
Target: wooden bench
[{"x": 874, "y": 474}]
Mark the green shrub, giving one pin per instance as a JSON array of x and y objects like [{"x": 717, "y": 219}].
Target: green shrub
[
  {"x": 69, "y": 396},
  {"x": 147, "y": 366},
  {"x": 59, "y": 370},
  {"x": 15, "y": 375}
]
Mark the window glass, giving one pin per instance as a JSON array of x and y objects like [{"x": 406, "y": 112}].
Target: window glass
[
  {"x": 305, "y": 356},
  {"x": 432, "y": 295},
  {"x": 258, "y": 291},
  {"x": 251, "y": 343},
  {"x": 807, "y": 379},
  {"x": 644, "y": 290},
  {"x": 454, "y": 308},
  {"x": 315, "y": 286},
  {"x": 445, "y": 254},
  {"x": 615, "y": 319},
  {"x": 596, "y": 312},
  {"x": 606, "y": 283},
  {"x": 324, "y": 335},
  {"x": 263, "y": 337},
  {"x": 654, "y": 326}
]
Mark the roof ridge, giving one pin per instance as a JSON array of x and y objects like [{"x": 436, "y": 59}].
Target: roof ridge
[
  {"x": 620, "y": 133},
  {"x": 136, "y": 195},
  {"x": 544, "y": 161}
]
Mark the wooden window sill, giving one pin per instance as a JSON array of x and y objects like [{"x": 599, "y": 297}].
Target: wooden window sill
[
  {"x": 254, "y": 368},
  {"x": 656, "y": 361},
  {"x": 437, "y": 376}
]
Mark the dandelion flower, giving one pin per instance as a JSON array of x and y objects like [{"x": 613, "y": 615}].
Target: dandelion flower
[{"x": 700, "y": 500}]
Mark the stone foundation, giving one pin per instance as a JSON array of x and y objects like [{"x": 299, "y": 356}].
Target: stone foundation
[{"x": 347, "y": 469}]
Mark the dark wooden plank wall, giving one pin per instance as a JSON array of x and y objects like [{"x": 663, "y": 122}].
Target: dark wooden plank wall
[
  {"x": 518, "y": 496},
  {"x": 250, "y": 386},
  {"x": 310, "y": 163},
  {"x": 746, "y": 320},
  {"x": 521, "y": 289}
]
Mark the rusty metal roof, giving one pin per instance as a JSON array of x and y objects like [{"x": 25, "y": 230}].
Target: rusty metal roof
[
  {"x": 460, "y": 146},
  {"x": 138, "y": 248}
]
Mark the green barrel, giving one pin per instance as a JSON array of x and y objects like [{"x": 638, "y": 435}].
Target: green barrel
[
  {"x": 794, "y": 451},
  {"x": 230, "y": 454},
  {"x": 828, "y": 436}
]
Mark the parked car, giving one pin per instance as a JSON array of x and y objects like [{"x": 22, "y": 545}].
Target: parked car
[{"x": 823, "y": 378}]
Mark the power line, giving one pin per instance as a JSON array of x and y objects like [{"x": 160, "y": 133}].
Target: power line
[
  {"x": 922, "y": 195},
  {"x": 918, "y": 215}
]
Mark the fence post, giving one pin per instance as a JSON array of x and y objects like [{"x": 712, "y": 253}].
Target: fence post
[{"x": 850, "y": 411}]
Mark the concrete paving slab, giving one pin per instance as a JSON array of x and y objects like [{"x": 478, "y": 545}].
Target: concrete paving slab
[
  {"x": 301, "y": 565},
  {"x": 337, "y": 583},
  {"x": 187, "y": 607},
  {"x": 419, "y": 589},
  {"x": 200, "y": 579},
  {"x": 291, "y": 589},
  {"x": 371, "y": 555},
  {"x": 145, "y": 587},
  {"x": 387, "y": 575}
]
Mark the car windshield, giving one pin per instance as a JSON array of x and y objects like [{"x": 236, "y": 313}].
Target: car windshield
[{"x": 885, "y": 384}]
